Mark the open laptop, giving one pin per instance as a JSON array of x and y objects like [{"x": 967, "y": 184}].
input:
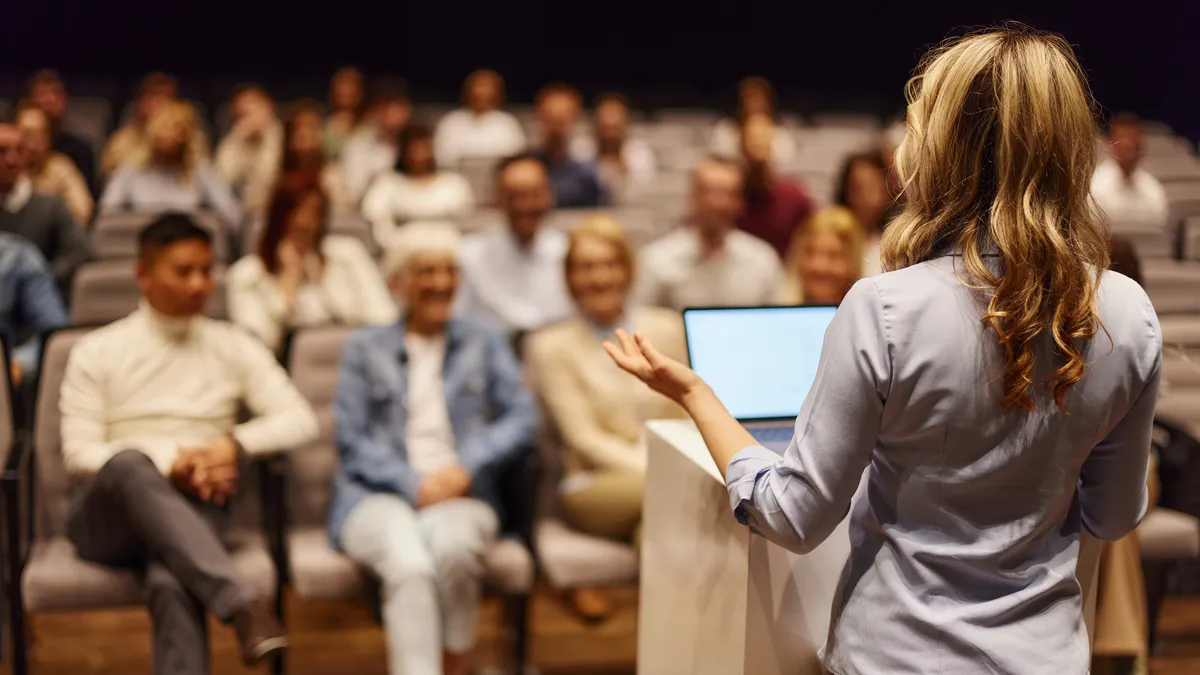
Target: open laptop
[{"x": 760, "y": 361}]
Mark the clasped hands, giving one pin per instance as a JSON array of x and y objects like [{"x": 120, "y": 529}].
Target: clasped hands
[
  {"x": 209, "y": 471},
  {"x": 449, "y": 483}
]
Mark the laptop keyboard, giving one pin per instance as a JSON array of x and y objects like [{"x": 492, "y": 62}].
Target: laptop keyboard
[{"x": 765, "y": 435}]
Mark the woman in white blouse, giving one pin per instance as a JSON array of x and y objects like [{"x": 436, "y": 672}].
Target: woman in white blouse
[
  {"x": 302, "y": 277},
  {"x": 416, "y": 190}
]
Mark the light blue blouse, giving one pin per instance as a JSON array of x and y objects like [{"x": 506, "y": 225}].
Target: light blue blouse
[{"x": 965, "y": 542}]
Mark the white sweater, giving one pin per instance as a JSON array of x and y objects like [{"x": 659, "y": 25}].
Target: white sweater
[{"x": 158, "y": 384}]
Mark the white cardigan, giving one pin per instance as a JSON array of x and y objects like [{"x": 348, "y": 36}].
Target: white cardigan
[{"x": 351, "y": 285}]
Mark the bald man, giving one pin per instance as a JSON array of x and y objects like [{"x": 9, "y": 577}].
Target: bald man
[
  {"x": 513, "y": 274},
  {"x": 576, "y": 183},
  {"x": 709, "y": 262}
]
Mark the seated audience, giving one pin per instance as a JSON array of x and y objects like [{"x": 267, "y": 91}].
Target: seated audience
[
  {"x": 169, "y": 172},
  {"x": 428, "y": 412},
  {"x": 576, "y": 183},
  {"x": 862, "y": 187},
  {"x": 47, "y": 91},
  {"x": 302, "y": 276},
  {"x": 44, "y": 221},
  {"x": 374, "y": 148},
  {"x": 480, "y": 128},
  {"x": 29, "y": 303},
  {"x": 52, "y": 172},
  {"x": 775, "y": 205},
  {"x": 304, "y": 165},
  {"x": 149, "y": 408},
  {"x": 600, "y": 411},
  {"x": 756, "y": 96},
  {"x": 156, "y": 91},
  {"x": 249, "y": 155},
  {"x": 824, "y": 259},
  {"x": 416, "y": 190},
  {"x": 620, "y": 158},
  {"x": 1128, "y": 195},
  {"x": 708, "y": 261},
  {"x": 512, "y": 275},
  {"x": 345, "y": 111}
]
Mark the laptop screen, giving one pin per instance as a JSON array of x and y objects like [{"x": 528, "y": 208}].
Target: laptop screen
[{"x": 760, "y": 361}]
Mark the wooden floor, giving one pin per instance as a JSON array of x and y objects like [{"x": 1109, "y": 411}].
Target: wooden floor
[{"x": 341, "y": 639}]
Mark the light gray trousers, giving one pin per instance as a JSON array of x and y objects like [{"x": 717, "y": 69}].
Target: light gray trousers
[
  {"x": 130, "y": 515},
  {"x": 430, "y": 564}
]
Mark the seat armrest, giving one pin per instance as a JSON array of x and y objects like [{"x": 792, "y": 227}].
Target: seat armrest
[
  {"x": 17, "y": 488},
  {"x": 272, "y": 477}
]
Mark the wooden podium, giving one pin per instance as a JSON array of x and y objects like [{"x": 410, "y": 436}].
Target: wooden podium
[{"x": 716, "y": 600}]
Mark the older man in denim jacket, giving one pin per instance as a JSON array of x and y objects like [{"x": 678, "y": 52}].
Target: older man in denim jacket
[{"x": 427, "y": 411}]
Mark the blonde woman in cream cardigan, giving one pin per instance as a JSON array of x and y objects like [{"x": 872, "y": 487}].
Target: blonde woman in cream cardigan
[
  {"x": 301, "y": 277},
  {"x": 598, "y": 410}
]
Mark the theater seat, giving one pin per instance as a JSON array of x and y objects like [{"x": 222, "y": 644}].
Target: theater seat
[
  {"x": 114, "y": 235},
  {"x": 106, "y": 290},
  {"x": 1169, "y": 535}
]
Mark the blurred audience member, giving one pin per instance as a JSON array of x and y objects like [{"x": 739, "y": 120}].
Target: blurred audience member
[
  {"x": 29, "y": 303},
  {"x": 824, "y": 259},
  {"x": 621, "y": 159},
  {"x": 1128, "y": 195},
  {"x": 52, "y": 172},
  {"x": 373, "y": 149},
  {"x": 48, "y": 92},
  {"x": 862, "y": 187},
  {"x": 156, "y": 91},
  {"x": 249, "y": 155},
  {"x": 43, "y": 220},
  {"x": 149, "y": 426},
  {"x": 416, "y": 190},
  {"x": 169, "y": 172},
  {"x": 304, "y": 165},
  {"x": 512, "y": 275},
  {"x": 576, "y": 183},
  {"x": 709, "y": 262},
  {"x": 599, "y": 411},
  {"x": 415, "y": 498},
  {"x": 1123, "y": 258},
  {"x": 775, "y": 205},
  {"x": 479, "y": 128},
  {"x": 346, "y": 101},
  {"x": 756, "y": 96},
  {"x": 302, "y": 276}
]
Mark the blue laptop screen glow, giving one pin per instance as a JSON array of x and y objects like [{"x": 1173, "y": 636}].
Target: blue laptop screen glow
[{"x": 760, "y": 361}]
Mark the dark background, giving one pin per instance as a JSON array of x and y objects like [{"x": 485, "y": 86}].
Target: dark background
[{"x": 834, "y": 54}]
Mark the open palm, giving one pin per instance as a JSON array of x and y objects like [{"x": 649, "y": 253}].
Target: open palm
[{"x": 635, "y": 355}]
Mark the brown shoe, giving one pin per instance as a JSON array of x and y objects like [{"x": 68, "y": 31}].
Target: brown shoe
[
  {"x": 259, "y": 635},
  {"x": 591, "y": 604}
]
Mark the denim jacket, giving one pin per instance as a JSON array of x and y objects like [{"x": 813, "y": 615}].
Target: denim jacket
[
  {"x": 492, "y": 414},
  {"x": 29, "y": 300}
]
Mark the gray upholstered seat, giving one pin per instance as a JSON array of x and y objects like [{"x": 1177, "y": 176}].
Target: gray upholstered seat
[
  {"x": 115, "y": 235},
  {"x": 318, "y": 572},
  {"x": 1169, "y": 535},
  {"x": 55, "y": 578},
  {"x": 106, "y": 290}
]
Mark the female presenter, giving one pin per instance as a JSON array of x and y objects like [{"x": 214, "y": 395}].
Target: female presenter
[{"x": 996, "y": 383}]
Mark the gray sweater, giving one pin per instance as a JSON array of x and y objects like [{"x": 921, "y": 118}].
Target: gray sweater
[{"x": 48, "y": 224}]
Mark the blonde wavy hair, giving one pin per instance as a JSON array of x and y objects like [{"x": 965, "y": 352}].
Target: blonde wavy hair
[
  {"x": 171, "y": 113},
  {"x": 836, "y": 220},
  {"x": 998, "y": 159}
]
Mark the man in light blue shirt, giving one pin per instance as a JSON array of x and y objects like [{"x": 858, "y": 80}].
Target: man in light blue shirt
[{"x": 29, "y": 302}]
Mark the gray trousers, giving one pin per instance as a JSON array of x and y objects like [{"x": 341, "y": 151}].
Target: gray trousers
[{"x": 130, "y": 515}]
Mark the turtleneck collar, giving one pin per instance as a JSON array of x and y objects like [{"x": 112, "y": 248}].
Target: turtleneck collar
[{"x": 173, "y": 327}]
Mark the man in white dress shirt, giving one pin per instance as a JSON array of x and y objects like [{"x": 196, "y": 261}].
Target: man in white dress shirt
[
  {"x": 149, "y": 408},
  {"x": 513, "y": 276},
  {"x": 1130, "y": 197},
  {"x": 372, "y": 150},
  {"x": 709, "y": 261},
  {"x": 479, "y": 128}
]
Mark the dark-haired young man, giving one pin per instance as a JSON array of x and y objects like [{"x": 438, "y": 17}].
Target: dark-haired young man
[
  {"x": 149, "y": 421},
  {"x": 576, "y": 183}
]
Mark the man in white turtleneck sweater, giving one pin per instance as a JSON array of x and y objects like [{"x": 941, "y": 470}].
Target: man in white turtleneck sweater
[{"x": 149, "y": 422}]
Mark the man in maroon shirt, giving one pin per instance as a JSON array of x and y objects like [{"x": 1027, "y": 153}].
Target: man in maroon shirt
[{"x": 774, "y": 205}]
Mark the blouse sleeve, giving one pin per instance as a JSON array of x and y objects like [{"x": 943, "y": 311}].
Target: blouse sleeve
[{"x": 797, "y": 500}]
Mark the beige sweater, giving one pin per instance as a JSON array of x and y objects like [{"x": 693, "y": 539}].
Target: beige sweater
[
  {"x": 157, "y": 384},
  {"x": 58, "y": 177}
]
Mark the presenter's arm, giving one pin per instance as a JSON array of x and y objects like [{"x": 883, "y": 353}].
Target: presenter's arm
[{"x": 796, "y": 500}]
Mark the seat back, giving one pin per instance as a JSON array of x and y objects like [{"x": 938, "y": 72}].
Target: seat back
[
  {"x": 312, "y": 360},
  {"x": 115, "y": 235},
  {"x": 480, "y": 173},
  {"x": 352, "y": 224},
  {"x": 53, "y": 483},
  {"x": 106, "y": 290}
]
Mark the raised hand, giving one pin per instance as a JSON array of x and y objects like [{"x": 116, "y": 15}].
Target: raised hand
[{"x": 635, "y": 355}]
